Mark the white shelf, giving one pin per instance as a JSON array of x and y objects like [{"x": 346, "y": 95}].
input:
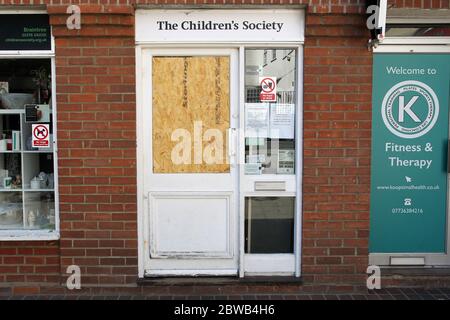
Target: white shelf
[
  {"x": 39, "y": 190},
  {"x": 37, "y": 151},
  {"x": 26, "y": 151},
  {"x": 10, "y": 190},
  {"x": 12, "y": 111}
]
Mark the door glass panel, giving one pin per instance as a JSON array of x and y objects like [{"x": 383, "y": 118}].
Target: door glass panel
[
  {"x": 270, "y": 104},
  {"x": 269, "y": 224},
  {"x": 191, "y": 114}
]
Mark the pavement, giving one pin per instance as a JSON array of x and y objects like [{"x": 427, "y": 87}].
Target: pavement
[{"x": 383, "y": 294}]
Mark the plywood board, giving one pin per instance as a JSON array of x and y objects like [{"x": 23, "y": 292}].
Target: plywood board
[{"x": 191, "y": 95}]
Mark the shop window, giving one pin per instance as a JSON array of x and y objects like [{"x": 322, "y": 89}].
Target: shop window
[{"x": 27, "y": 159}]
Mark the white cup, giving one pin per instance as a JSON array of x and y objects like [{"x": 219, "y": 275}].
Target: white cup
[
  {"x": 35, "y": 183},
  {"x": 3, "y": 145}
]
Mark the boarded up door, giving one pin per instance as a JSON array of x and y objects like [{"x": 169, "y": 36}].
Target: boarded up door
[{"x": 191, "y": 97}]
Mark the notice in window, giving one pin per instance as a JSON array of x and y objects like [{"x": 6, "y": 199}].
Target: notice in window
[
  {"x": 282, "y": 121},
  {"x": 256, "y": 120}
]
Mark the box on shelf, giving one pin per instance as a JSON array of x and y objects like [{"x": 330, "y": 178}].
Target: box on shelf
[
  {"x": 16, "y": 140},
  {"x": 4, "y": 87}
]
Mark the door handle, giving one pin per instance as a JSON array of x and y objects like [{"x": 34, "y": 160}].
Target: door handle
[{"x": 231, "y": 142}]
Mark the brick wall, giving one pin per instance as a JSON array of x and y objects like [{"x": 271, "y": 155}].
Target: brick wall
[
  {"x": 314, "y": 6},
  {"x": 31, "y": 263},
  {"x": 97, "y": 143},
  {"x": 337, "y": 104},
  {"x": 97, "y": 130}
]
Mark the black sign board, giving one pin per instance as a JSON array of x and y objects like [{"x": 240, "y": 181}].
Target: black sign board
[
  {"x": 24, "y": 32},
  {"x": 31, "y": 113}
]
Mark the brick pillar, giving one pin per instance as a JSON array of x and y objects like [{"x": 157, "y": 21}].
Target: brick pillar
[
  {"x": 95, "y": 80},
  {"x": 337, "y": 122}
]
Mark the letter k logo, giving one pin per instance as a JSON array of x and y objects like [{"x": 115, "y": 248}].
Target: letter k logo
[
  {"x": 407, "y": 116},
  {"x": 402, "y": 109}
]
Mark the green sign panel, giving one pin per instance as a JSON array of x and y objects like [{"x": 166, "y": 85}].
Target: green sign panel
[{"x": 410, "y": 116}]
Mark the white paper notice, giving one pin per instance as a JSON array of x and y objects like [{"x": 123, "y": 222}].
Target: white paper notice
[
  {"x": 256, "y": 120},
  {"x": 282, "y": 121}
]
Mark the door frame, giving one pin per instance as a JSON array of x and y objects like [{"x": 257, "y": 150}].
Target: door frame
[
  {"x": 142, "y": 197},
  {"x": 416, "y": 45}
]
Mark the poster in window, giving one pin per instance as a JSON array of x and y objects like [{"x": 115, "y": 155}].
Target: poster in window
[
  {"x": 257, "y": 120},
  {"x": 282, "y": 121}
]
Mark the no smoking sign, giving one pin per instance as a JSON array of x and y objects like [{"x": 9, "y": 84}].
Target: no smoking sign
[
  {"x": 41, "y": 135},
  {"x": 268, "y": 89}
]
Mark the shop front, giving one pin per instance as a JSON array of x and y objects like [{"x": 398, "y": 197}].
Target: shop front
[
  {"x": 228, "y": 141},
  {"x": 409, "y": 193},
  {"x": 219, "y": 141}
]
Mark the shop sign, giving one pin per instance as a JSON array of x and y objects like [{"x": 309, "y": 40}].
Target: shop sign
[
  {"x": 255, "y": 25},
  {"x": 409, "y": 153},
  {"x": 24, "y": 32}
]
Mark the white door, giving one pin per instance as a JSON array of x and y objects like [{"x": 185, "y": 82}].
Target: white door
[{"x": 190, "y": 110}]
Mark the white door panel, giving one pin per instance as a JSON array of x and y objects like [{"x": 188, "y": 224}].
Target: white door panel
[
  {"x": 195, "y": 230},
  {"x": 191, "y": 220}
]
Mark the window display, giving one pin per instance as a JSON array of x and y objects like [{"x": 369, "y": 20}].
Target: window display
[{"x": 27, "y": 186}]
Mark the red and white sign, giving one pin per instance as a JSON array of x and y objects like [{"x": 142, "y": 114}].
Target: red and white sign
[
  {"x": 268, "y": 89},
  {"x": 41, "y": 135}
]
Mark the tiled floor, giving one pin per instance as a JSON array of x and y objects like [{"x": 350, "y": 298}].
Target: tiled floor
[{"x": 384, "y": 294}]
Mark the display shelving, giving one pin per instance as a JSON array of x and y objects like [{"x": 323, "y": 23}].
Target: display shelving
[{"x": 23, "y": 206}]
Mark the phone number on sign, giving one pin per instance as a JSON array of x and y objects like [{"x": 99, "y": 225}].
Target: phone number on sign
[{"x": 407, "y": 210}]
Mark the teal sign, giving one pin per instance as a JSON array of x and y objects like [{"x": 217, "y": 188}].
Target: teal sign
[{"x": 410, "y": 124}]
